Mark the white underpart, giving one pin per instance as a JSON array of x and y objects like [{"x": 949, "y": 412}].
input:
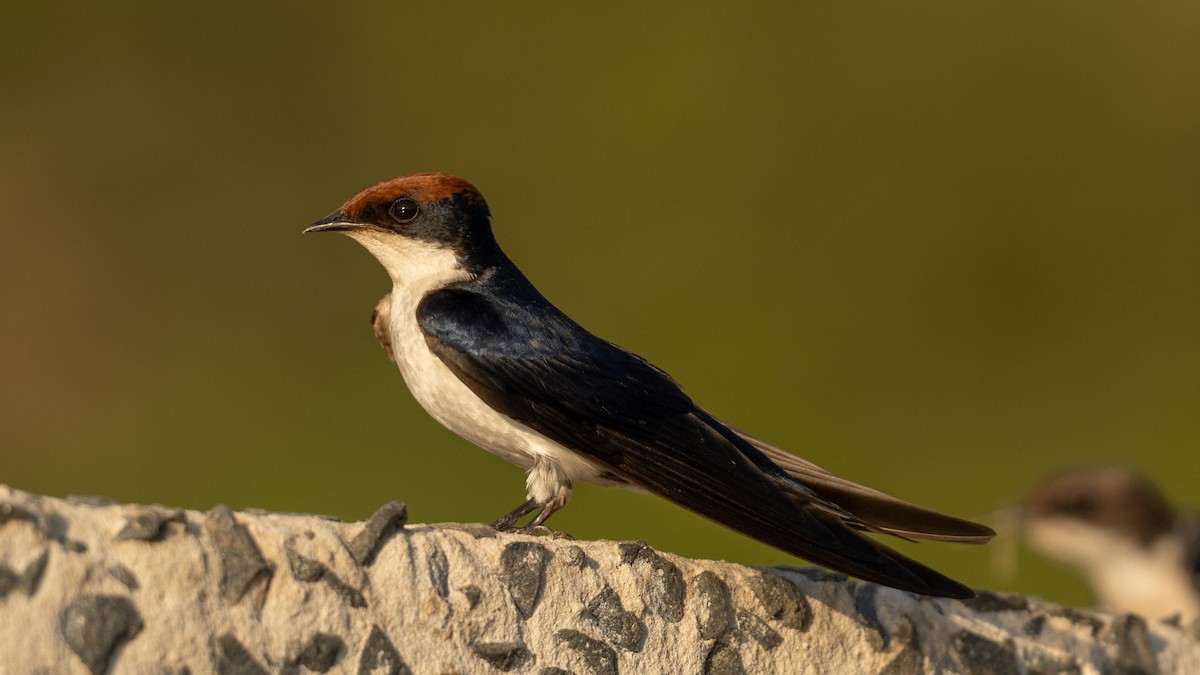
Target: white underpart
[
  {"x": 417, "y": 268},
  {"x": 1152, "y": 581}
]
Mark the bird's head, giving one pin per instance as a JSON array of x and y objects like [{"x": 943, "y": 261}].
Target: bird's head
[
  {"x": 1081, "y": 514},
  {"x": 419, "y": 225}
]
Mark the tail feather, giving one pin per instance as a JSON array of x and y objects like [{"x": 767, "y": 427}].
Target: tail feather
[{"x": 877, "y": 511}]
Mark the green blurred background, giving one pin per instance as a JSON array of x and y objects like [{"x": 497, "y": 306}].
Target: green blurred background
[{"x": 939, "y": 250}]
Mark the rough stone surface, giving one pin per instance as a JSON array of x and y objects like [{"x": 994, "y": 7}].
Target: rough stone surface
[{"x": 449, "y": 599}]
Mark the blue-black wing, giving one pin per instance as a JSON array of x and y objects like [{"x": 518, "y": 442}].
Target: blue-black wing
[{"x": 533, "y": 364}]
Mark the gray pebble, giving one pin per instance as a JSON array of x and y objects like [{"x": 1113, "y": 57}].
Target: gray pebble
[
  {"x": 8, "y": 580},
  {"x": 991, "y": 601},
  {"x": 599, "y": 658},
  {"x": 574, "y": 556},
  {"x": 716, "y": 609},
  {"x": 621, "y": 628},
  {"x": 503, "y": 656},
  {"x": 439, "y": 572},
  {"x": 758, "y": 630},
  {"x": 667, "y": 588},
  {"x": 380, "y": 655},
  {"x": 94, "y": 625},
  {"x": 149, "y": 524},
  {"x": 310, "y": 571},
  {"x": 233, "y": 659},
  {"x": 723, "y": 659},
  {"x": 382, "y": 524},
  {"x": 242, "y": 564},
  {"x": 1135, "y": 654},
  {"x": 523, "y": 570},
  {"x": 122, "y": 574},
  {"x": 320, "y": 653},
  {"x": 981, "y": 655},
  {"x": 782, "y": 601},
  {"x": 867, "y": 615},
  {"x": 473, "y": 595}
]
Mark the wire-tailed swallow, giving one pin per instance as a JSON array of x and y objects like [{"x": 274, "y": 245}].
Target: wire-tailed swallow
[
  {"x": 491, "y": 359},
  {"x": 1139, "y": 554}
]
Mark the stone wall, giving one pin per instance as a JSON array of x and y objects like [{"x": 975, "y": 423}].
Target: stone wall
[{"x": 87, "y": 585}]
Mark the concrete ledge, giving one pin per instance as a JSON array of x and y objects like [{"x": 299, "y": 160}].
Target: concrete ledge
[{"x": 87, "y": 585}]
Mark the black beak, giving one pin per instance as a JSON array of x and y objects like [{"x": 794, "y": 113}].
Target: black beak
[{"x": 333, "y": 222}]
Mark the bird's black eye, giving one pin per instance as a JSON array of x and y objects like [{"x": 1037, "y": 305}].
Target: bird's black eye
[
  {"x": 404, "y": 210},
  {"x": 1081, "y": 505}
]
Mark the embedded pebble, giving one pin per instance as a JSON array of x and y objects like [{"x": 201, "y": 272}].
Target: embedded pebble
[
  {"x": 319, "y": 654},
  {"x": 149, "y": 524},
  {"x": 380, "y": 656},
  {"x": 439, "y": 572},
  {"x": 31, "y": 577},
  {"x": 867, "y": 615},
  {"x": 94, "y": 625},
  {"x": 574, "y": 556},
  {"x": 723, "y": 659},
  {"x": 667, "y": 588},
  {"x": 523, "y": 570},
  {"x": 503, "y": 656},
  {"x": 473, "y": 595},
  {"x": 716, "y": 609},
  {"x": 621, "y": 628},
  {"x": 242, "y": 564},
  {"x": 233, "y": 659},
  {"x": 782, "y": 601},
  {"x": 981, "y": 655},
  {"x": 382, "y": 524},
  {"x": 310, "y": 571},
  {"x": 599, "y": 658},
  {"x": 1135, "y": 654},
  {"x": 758, "y": 630},
  {"x": 991, "y": 601},
  {"x": 122, "y": 574}
]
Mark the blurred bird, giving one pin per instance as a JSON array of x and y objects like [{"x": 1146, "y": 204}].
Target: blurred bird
[
  {"x": 491, "y": 359},
  {"x": 1138, "y": 553}
]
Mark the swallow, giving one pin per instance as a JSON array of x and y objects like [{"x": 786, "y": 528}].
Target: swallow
[
  {"x": 490, "y": 358},
  {"x": 1138, "y": 553}
]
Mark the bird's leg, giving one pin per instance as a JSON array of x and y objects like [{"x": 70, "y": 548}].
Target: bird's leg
[
  {"x": 548, "y": 489},
  {"x": 508, "y": 520},
  {"x": 548, "y": 510},
  {"x": 555, "y": 503}
]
